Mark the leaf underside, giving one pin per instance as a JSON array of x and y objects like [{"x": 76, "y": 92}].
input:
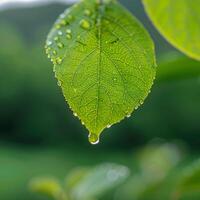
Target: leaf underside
[
  {"x": 104, "y": 62},
  {"x": 179, "y": 22}
]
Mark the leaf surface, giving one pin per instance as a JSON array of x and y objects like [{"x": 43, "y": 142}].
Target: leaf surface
[
  {"x": 104, "y": 61},
  {"x": 179, "y": 22}
]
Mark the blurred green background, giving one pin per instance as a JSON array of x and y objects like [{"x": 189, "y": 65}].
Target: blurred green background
[{"x": 39, "y": 136}]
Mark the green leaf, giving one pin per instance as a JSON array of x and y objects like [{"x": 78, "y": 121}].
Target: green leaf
[
  {"x": 173, "y": 67},
  {"x": 75, "y": 176},
  {"x": 104, "y": 61},
  {"x": 46, "y": 186},
  {"x": 99, "y": 180},
  {"x": 178, "y": 21}
]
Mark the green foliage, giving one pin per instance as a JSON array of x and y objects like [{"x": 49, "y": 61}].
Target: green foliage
[
  {"x": 82, "y": 184},
  {"x": 46, "y": 186},
  {"x": 188, "y": 181},
  {"x": 99, "y": 180},
  {"x": 155, "y": 162},
  {"x": 159, "y": 173},
  {"x": 178, "y": 21},
  {"x": 104, "y": 61},
  {"x": 173, "y": 67}
]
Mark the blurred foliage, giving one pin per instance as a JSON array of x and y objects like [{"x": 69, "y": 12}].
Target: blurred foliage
[
  {"x": 90, "y": 185},
  {"x": 160, "y": 172}
]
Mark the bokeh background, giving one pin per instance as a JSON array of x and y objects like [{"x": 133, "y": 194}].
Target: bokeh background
[{"x": 39, "y": 136}]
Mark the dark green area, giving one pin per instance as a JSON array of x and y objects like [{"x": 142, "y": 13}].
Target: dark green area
[{"x": 40, "y": 136}]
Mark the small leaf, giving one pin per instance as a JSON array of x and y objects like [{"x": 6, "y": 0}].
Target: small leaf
[
  {"x": 178, "y": 21},
  {"x": 99, "y": 180},
  {"x": 104, "y": 61},
  {"x": 46, "y": 186}
]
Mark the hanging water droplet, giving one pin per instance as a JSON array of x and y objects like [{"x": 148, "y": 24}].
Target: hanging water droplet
[
  {"x": 60, "y": 33},
  {"x": 82, "y": 123},
  {"x": 108, "y": 126},
  {"x": 87, "y": 12},
  {"x": 93, "y": 138},
  {"x": 136, "y": 107},
  {"x": 60, "y": 45},
  {"x": 75, "y": 114},
  {"x": 85, "y": 24},
  {"x": 69, "y": 36},
  {"x": 49, "y": 56}
]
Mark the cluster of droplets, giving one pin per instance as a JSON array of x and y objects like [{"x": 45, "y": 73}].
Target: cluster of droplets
[
  {"x": 56, "y": 41},
  {"x": 63, "y": 31}
]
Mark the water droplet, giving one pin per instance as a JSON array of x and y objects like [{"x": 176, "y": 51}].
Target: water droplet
[
  {"x": 75, "y": 114},
  {"x": 49, "y": 43},
  {"x": 108, "y": 126},
  {"x": 141, "y": 102},
  {"x": 63, "y": 22},
  {"x": 49, "y": 56},
  {"x": 58, "y": 26},
  {"x": 60, "y": 45},
  {"x": 69, "y": 31},
  {"x": 56, "y": 38},
  {"x": 129, "y": 115},
  {"x": 60, "y": 33},
  {"x": 59, "y": 83},
  {"x": 69, "y": 36},
  {"x": 47, "y": 51},
  {"x": 87, "y": 12},
  {"x": 136, "y": 107},
  {"x": 58, "y": 60},
  {"x": 54, "y": 52},
  {"x": 82, "y": 123},
  {"x": 62, "y": 16},
  {"x": 85, "y": 24},
  {"x": 93, "y": 138},
  {"x": 115, "y": 79}
]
